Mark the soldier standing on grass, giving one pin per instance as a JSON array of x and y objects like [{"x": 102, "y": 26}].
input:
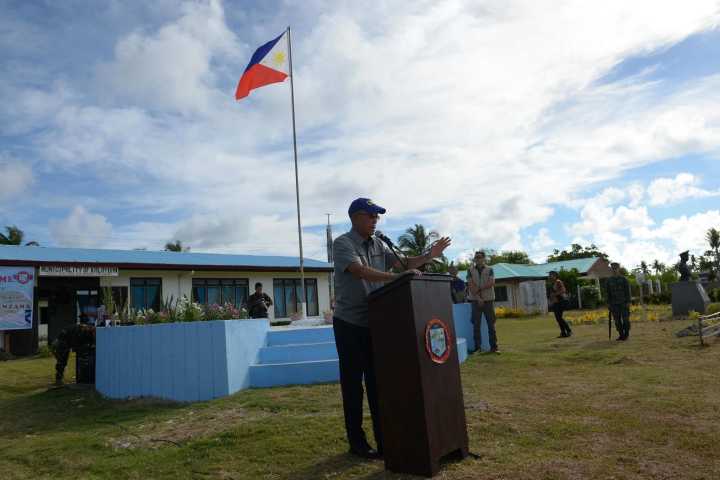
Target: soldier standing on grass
[
  {"x": 79, "y": 337},
  {"x": 618, "y": 297}
]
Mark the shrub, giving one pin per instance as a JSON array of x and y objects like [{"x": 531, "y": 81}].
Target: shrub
[
  {"x": 712, "y": 308},
  {"x": 714, "y": 294},
  {"x": 659, "y": 298},
  {"x": 186, "y": 311},
  {"x": 44, "y": 351},
  {"x": 507, "y": 312},
  {"x": 590, "y": 296}
]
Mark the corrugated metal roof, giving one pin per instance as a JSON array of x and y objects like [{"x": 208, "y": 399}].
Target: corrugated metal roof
[
  {"x": 86, "y": 256},
  {"x": 504, "y": 271}
]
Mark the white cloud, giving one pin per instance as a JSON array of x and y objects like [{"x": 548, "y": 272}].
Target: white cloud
[
  {"x": 542, "y": 241},
  {"x": 171, "y": 69},
  {"x": 81, "y": 229},
  {"x": 671, "y": 190},
  {"x": 15, "y": 178},
  {"x": 480, "y": 129},
  {"x": 684, "y": 232}
]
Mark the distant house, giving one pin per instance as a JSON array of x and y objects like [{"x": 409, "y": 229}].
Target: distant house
[{"x": 523, "y": 286}]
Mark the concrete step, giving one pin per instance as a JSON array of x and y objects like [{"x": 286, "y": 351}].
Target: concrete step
[
  {"x": 294, "y": 373},
  {"x": 299, "y": 352},
  {"x": 293, "y": 336}
]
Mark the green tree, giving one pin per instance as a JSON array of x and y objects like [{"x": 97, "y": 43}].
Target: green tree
[
  {"x": 463, "y": 264},
  {"x": 576, "y": 251},
  {"x": 416, "y": 240},
  {"x": 713, "y": 238},
  {"x": 658, "y": 267},
  {"x": 511, "y": 256},
  {"x": 14, "y": 236},
  {"x": 644, "y": 268},
  {"x": 176, "y": 246}
]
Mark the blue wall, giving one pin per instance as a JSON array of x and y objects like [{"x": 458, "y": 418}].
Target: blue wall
[
  {"x": 462, "y": 315},
  {"x": 178, "y": 361},
  {"x": 195, "y": 361}
]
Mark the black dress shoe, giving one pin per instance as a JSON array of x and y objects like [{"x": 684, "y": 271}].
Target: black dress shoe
[{"x": 365, "y": 452}]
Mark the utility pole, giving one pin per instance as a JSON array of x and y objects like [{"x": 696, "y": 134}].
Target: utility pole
[{"x": 329, "y": 239}]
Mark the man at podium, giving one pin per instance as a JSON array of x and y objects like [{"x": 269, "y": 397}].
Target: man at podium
[{"x": 362, "y": 263}]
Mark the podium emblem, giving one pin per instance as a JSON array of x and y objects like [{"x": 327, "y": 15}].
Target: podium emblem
[{"x": 438, "y": 341}]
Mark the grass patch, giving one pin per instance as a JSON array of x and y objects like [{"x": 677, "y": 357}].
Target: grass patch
[{"x": 581, "y": 407}]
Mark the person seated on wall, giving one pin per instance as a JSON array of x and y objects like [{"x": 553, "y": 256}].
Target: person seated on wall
[
  {"x": 258, "y": 303},
  {"x": 79, "y": 337}
]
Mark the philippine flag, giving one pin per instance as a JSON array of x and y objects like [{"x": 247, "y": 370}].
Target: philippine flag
[{"x": 269, "y": 64}]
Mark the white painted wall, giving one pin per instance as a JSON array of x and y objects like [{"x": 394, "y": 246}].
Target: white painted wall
[{"x": 177, "y": 283}]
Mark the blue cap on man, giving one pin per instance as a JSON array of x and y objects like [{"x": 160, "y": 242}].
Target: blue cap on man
[{"x": 364, "y": 204}]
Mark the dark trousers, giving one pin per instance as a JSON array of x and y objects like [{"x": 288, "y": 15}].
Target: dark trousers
[
  {"x": 356, "y": 363},
  {"x": 488, "y": 309},
  {"x": 621, "y": 316},
  {"x": 558, "y": 308},
  {"x": 61, "y": 350}
]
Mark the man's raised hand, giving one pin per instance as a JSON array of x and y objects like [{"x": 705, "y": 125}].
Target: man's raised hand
[{"x": 439, "y": 247}]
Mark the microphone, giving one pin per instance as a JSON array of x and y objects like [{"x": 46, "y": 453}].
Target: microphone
[
  {"x": 384, "y": 238},
  {"x": 392, "y": 247}
]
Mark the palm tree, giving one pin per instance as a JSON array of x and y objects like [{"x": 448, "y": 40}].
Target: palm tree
[
  {"x": 416, "y": 240},
  {"x": 644, "y": 268},
  {"x": 14, "y": 236},
  {"x": 176, "y": 246},
  {"x": 658, "y": 267},
  {"x": 713, "y": 238}
]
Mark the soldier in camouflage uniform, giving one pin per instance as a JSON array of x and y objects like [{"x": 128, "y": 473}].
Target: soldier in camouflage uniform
[
  {"x": 79, "y": 337},
  {"x": 618, "y": 297}
]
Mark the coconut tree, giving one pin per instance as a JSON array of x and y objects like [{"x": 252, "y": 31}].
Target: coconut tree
[
  {"x": 14, "y": 236},
  {"x": 416, "y": 240},
  {"x": 176, "y": 246},
  {"x": 713, "y": 238},
  {"x": 644, "y": 268},
  {"x": 658, "y": 267}
]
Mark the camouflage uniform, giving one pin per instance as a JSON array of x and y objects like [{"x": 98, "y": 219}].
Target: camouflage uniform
[
  {"x": 80, "y": 338},
  {"x": 618, "y": 297}
]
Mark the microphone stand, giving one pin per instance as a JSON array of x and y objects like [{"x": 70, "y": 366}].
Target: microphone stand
[{"x": 393, "y": 249}]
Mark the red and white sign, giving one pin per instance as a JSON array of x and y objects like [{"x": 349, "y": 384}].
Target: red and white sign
[{"x": 16, "y": 297}]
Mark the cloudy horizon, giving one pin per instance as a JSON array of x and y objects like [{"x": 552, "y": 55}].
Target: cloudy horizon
[{"x": 505, "y": 125}]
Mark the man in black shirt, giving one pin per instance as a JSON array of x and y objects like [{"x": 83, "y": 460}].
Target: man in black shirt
[{"x": 258, "y": 303}]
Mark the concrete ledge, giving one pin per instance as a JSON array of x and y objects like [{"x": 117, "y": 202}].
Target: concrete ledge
[
  {"x": 184, "y": 362},
  {"x": 294, "y": 335},
  {"x": 294, "y": 373},
  {"x": 298, "y": 352}
]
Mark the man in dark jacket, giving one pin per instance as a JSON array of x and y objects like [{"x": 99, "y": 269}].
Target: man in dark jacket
[
  {"x": 618, "y": 297},
  {"x": 258, "y": 303}
]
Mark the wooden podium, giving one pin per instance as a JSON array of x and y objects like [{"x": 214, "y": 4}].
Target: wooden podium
[{"x": 422, "y": 412}]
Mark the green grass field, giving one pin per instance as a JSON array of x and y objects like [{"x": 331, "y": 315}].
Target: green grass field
[{"x": 545, "y": 408}]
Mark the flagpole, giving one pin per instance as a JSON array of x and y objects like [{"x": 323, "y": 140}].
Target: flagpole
[{"x": 297, "y": 183}]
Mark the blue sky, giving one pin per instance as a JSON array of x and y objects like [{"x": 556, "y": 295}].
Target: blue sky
[{"x": 504, "y": 125}]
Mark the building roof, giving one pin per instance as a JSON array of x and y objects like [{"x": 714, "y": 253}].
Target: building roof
[
  {"x": 505, "y": 271},
  {"x": 17, "y": 255}
]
